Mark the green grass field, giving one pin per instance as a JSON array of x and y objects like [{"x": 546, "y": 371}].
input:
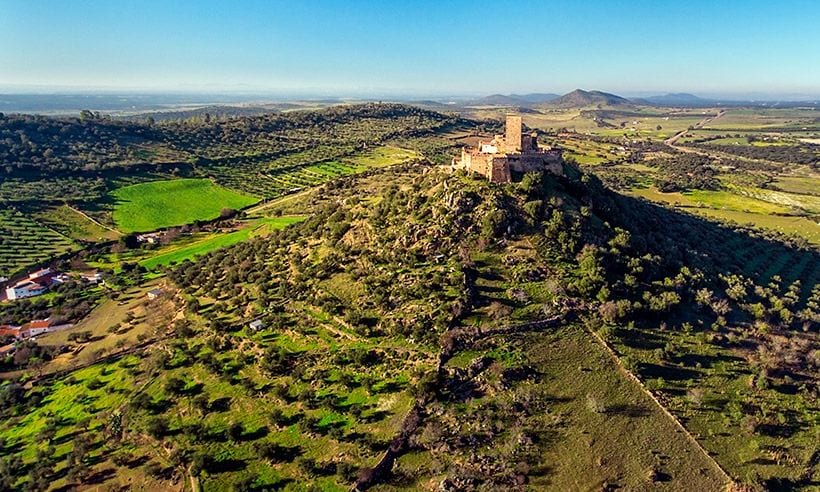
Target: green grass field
[
  {"x": 592, "y": 452},
  {"x": 799, "y": 184},
  {"x": 158, "y": 204},
  {"x": 214, "y": 242},
  {"x": 721, "y": 200}
]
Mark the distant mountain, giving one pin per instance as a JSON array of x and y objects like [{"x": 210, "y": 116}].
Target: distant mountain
[
  {"x": 675, "y": 99},
  {"x": 581, "y": 98},
  {"x": 514, "y": 99}
]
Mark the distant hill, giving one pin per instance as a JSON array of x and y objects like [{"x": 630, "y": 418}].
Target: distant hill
[
  {"x": 514, "y": 99},
  {"x": 220, "y": 111},
  {"x": 675, "y": 99},
  {"x": 581, "y": 98}
]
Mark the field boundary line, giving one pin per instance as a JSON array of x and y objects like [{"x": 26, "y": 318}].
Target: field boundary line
[
  {"x": 632, "y": 377},
  {"x": 92, "y": 220}
]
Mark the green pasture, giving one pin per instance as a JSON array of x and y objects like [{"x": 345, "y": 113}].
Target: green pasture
[
  {"x": 157, "y": 204},
  {"x": 727, "y": 206},
  {"x": 804, "y": 185},
  {"x": 721, "y": 200},
  {"x": 189, "y": 251}
]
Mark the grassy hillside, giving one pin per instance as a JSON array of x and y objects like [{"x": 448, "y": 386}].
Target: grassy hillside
[
  {"x": 158, "y": 204},
  {"x": 178, "y": 254},
  {"x": 423, "y": 328}
]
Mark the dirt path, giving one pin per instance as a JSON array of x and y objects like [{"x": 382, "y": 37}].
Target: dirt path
[{"x": 331, "y": 328}]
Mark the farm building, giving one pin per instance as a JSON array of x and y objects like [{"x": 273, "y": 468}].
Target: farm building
[
  {"x": 32, "y": 328},
  {"x": 25, "y": 288},
  {"x": 36, "y": 327},
  {"x": 154, "y": 293},
  {"x": 256, "y": 325},
  {"x": 10, "y": 330},
  {"x": 35, "y": 284},
  {"x": 93, "y": 277},
  {"x": 150, "y": 238}
]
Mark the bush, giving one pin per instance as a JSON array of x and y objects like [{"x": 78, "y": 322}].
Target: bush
[{"x": 157, "y": 427}]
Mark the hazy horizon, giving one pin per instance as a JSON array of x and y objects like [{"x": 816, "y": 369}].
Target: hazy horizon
[{"x": 249, "y": 94}]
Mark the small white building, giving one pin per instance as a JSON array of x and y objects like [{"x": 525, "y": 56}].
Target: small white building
[
  {"x": 92, "y": 278},
  {"x": 256, "y": 325},
  {"x": 25, "y": 288},
  {"x": 154, "y": 293}
]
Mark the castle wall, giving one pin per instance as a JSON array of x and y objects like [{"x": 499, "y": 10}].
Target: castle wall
[
  {"x": 499, "y": 170},
  {"x": 478, "y": 163},
  {"x": 519, "y": 154}
]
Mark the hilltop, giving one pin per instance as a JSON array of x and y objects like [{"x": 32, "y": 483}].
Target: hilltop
[
  {"x": 422, "y": 328},
  {"x": 679, "y": 99},
  {"x": 580, "y": 98}
]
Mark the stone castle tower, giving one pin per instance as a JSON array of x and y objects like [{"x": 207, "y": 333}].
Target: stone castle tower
[{"x": 509, "y": 154}]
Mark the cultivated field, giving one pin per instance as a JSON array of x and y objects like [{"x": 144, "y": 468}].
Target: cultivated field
[
  {"x": 300, "y": 170},
  {"x": 24, "y": 241},
  {"x": 158, "y": 204},
  {"x": 180, "y": 252}
]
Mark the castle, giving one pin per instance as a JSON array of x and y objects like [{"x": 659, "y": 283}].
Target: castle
[{"x": 514, "y": 152}]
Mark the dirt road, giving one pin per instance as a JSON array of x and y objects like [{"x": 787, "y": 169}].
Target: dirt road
[{"x": 674, "y": 138}]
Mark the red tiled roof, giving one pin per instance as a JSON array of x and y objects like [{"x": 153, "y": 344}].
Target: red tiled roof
[{"x": 37, "y": 323}]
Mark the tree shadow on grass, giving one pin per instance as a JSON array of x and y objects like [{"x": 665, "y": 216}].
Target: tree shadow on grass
[
  {"x": 650, "y": 371},
  {"x": 707, "y": 361},
  {"x": 222, "y": 404},
  {"x": 639, "y": 339},
  {"x": 100, "y": 476},
  {"x": 256, "y": 434},
  {"x": 229, "y": 465}
]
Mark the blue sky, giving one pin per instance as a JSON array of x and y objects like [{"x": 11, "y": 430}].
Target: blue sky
[{"x": 424, "y": 47}]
